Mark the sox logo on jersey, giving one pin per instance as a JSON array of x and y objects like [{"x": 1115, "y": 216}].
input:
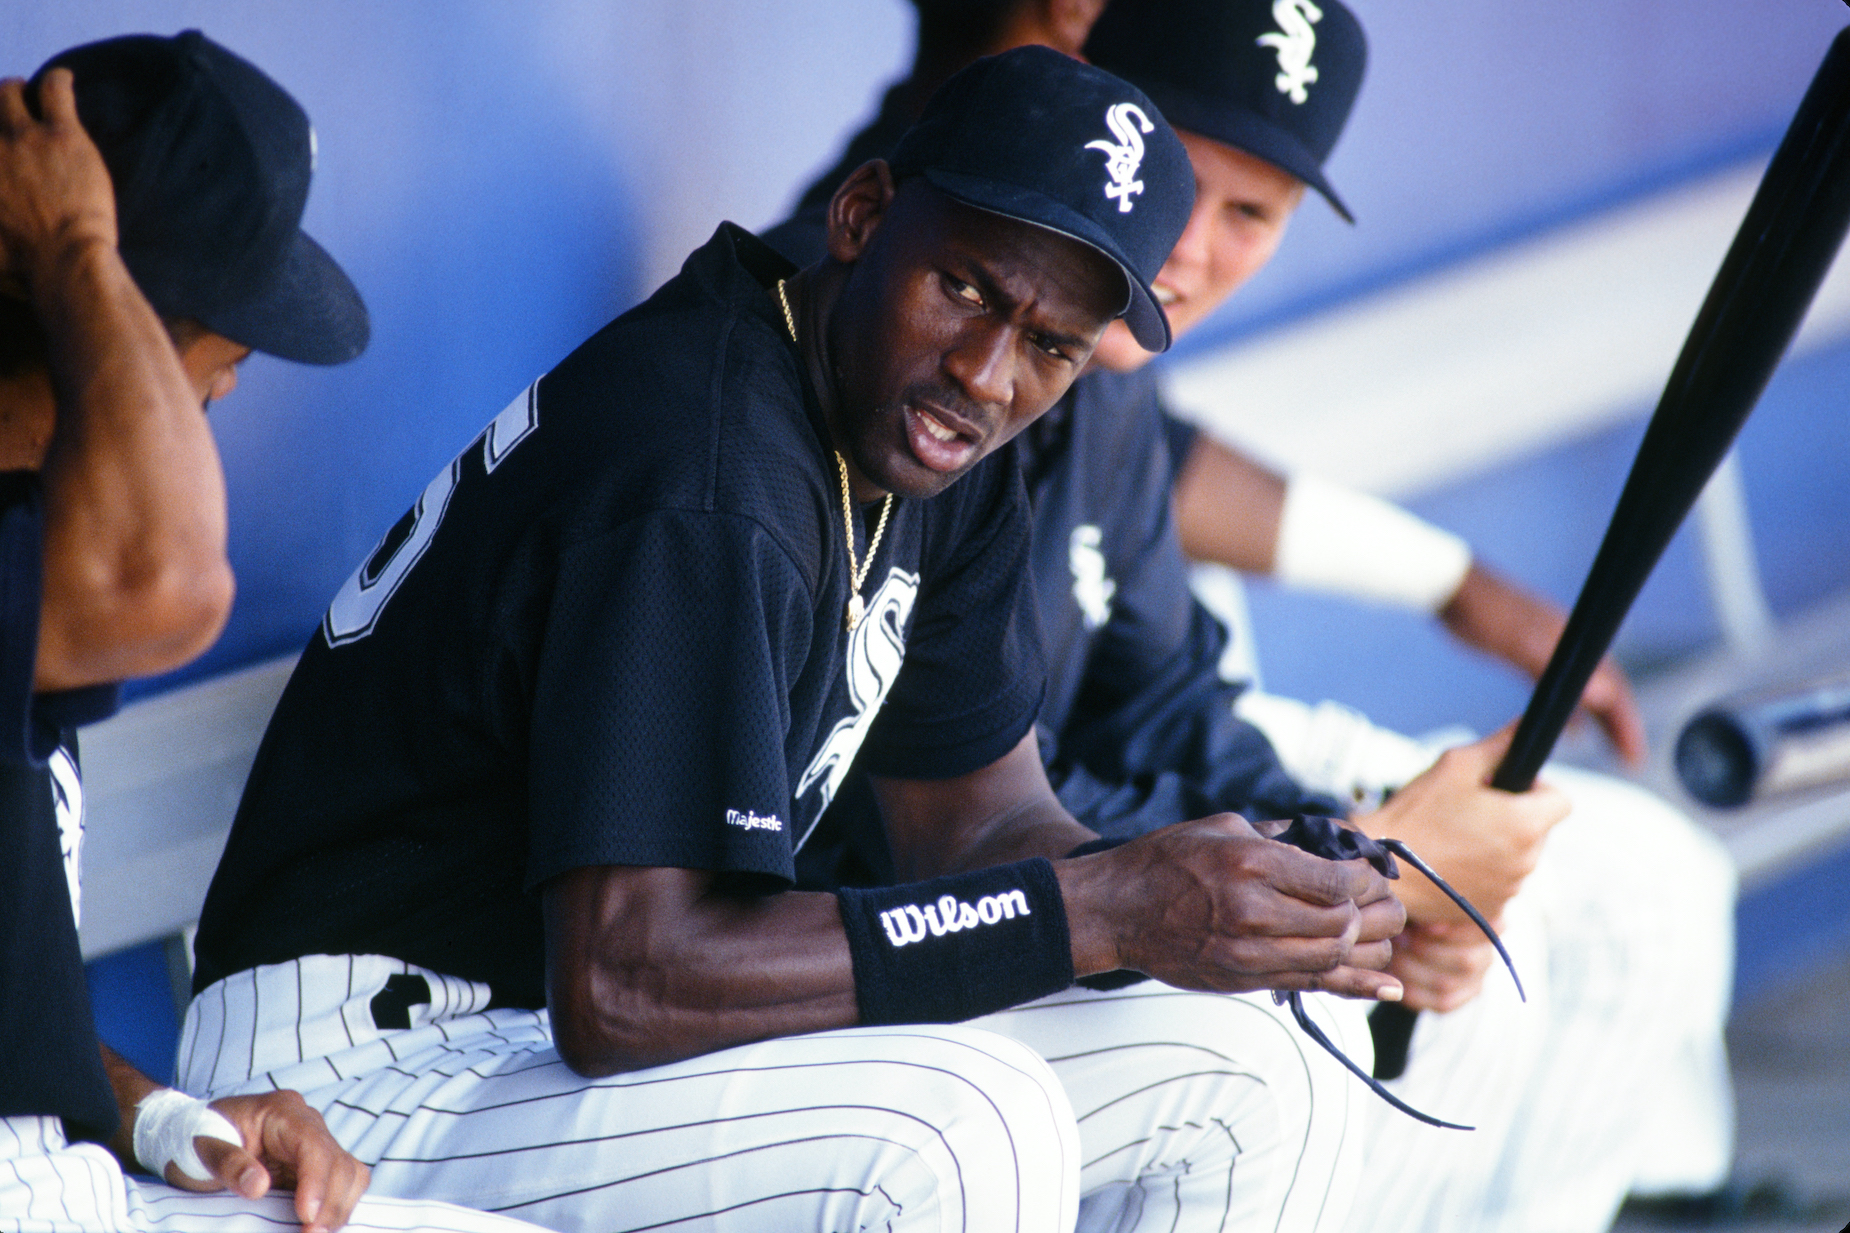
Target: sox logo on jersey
[
  {"x": 67, "y": 802},
  {"x": 1092, "y": 584},
  {"x": 876, "y": 649},
  {"x": 1295, "y": 41}
]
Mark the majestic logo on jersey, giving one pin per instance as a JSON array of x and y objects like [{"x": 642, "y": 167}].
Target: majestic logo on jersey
[
  {"x": 876, "y": 649},
  {"x": 909, "y": 923},
  {"x": 1092, "y": 589},
  {"x": 356, "y": 607},
  {"x": 1123, "y": 157},
  {"x": 749, "y": 821},
  {"x": 1295, "y": 41},
  {"x": 67, "y": 805}
]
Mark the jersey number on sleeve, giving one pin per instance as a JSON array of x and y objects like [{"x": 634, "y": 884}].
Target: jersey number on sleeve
[{"x": 357, "y": 606}]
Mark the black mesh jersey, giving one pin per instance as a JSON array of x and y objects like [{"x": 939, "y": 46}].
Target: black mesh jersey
[
  {"x": 611, "y": 632},
  {"x": 1137, "y": 726},
  {"x": 49, "y": 1064}
]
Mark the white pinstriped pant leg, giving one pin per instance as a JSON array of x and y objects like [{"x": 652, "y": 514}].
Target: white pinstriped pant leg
[
  {"x": 1203, "y": 1111},
  {"x": 1638, "y": 903},
  {"x": 927, "y": 1128},
  {"x": 1623, "y": 936},
  {"x": 50, "y": 1186},
  {"x": 1471, "y": 1066}
]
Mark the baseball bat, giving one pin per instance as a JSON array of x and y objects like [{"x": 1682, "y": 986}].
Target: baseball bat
[{"x": 1781, "y": 253}]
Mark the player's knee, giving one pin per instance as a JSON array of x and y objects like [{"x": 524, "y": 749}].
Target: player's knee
[
  {"x": 963, "y": 1103},
  {"x": 1000, "y": 1087}
]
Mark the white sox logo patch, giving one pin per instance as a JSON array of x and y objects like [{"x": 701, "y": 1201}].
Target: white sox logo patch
[
  {"x": 910, "y": 923},
  {"x": 1294, "y": 42},
  {"x": 1122, "y": 157},
  {"x": 1092, "y": 588},
  {"x": 876, "y": 649}
]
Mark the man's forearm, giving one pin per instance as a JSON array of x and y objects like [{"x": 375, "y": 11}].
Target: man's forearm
[
  {"x": 649, "y": 966},
  {"x": 136, "y": 577}
]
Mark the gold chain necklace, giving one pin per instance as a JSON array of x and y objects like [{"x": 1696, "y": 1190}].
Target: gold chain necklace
[{"x": 857, "y": 574}]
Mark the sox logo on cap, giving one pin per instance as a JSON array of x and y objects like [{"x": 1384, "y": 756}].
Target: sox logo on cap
[
  {"x": 1123, "y": 157},
  {"x": 1295, "y": 42}
]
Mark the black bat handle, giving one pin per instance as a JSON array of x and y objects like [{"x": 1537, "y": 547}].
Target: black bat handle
[{"x": 1779, "y": 256}]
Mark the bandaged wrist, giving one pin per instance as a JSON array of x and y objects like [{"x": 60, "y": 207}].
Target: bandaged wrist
[
  {"x": 1334, "y": 539},
  {"x": 166, "y": 1123},
  {"x": 958, "y": 946}
]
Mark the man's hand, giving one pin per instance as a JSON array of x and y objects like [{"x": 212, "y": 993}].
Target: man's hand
[
  {"x": 1442, "y": 965},
  {"x": 1496, "y": 616},
  {"x": 1214, "y": 905},
  {"x": 1482, "y": 840},
  {"x": 55, "y": 194},
  {"x": 286, "y": 1144}
]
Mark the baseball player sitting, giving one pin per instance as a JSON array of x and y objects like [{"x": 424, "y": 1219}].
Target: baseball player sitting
[
  {"x": 135, "y": 280},
  {"x": 1622, "y": 1038},
  {"x": 507, "y": 895}
]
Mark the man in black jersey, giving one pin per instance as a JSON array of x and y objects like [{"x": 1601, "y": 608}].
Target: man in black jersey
[
  {"x": 1140, "y": 730},
  {"x": 134, "y": 279},
  {"x": 559, "y": 738},
  {"x": 1229, "y": 508}
]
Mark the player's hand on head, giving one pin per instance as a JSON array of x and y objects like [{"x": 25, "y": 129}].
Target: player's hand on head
[
  {"x": 55, "y": 193},
  {"x": 1482, "y": 840},
  {"x": 1495, "y": 615},
  {"x": 286, "y": 1145},
  {"x": 1213, "y": 904},
  {"x": 1443, "y": 965}
]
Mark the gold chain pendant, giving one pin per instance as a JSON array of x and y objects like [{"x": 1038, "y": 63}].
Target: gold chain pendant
[{"x": 857, "y": 608}]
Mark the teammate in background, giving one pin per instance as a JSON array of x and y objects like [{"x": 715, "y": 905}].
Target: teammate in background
[
  {"x": 133, "y": 281},
  {"x": 1229, "y": 508},
  {"x": 1140, "y": 732},
  {"x": 560, "y": 736}
]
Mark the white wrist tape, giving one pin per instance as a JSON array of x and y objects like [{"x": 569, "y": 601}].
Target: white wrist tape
[
  {"x": 166, "y": 1123},
  {"x": 1334, "y": 539}
]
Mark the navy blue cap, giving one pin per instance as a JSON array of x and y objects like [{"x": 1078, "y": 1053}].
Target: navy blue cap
[
  {"x": 1275, "y": 78},
  {"x": 1041, "y": 137},
  {"x": 211, "y": 160}
]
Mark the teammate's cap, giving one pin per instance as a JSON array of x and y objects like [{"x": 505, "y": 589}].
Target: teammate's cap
[
  {"x": 211, "y": 161},
  {"x": 1275, "y": 78},
  {"x": 1041, "y": 137}
]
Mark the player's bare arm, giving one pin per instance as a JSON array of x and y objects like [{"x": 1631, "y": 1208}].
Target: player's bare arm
[
  {"x": 646, "y": 966},
  {"x": 285, "y": 1144},
  {"x": 136, "y": 578},
  {"x": 1210, "y": 904}
]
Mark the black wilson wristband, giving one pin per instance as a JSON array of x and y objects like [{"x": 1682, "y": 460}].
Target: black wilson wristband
[{"x": 958, "y": 946}]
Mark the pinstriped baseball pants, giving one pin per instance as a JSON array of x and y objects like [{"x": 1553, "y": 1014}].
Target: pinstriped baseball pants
[
  {"x": 50, "y": 1186},
  {"x": 1625, "y": 941},
  {"x": 912, "y": 1128},
  {"x": 1194, "y": 1112}
]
